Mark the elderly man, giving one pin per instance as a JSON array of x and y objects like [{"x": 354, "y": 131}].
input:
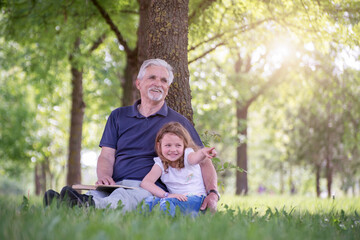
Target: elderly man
[{"x": 128, "y": 144}]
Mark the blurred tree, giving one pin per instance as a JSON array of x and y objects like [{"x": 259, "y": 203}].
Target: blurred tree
[
  {"x": 292, "y": 19},
  {"x": 65, "y": 25},
  {"x": 17, "y": 113},
  {"x": 27, "y": 119},
  {"x": 316, "y": 126}
]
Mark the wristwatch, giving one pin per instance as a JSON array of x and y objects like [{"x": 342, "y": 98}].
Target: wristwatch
[
  {"x": 214, "y": 191},
  {"x": 166, "y": 194}
]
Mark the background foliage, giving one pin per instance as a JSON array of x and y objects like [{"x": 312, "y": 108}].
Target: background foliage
[{"x": 294, "y": 64}]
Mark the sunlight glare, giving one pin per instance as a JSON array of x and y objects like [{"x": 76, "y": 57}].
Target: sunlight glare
[
  {"x": 89, "y": 158},
  {"x": 309, "y": 46},
  {"x": 279, "y": 54},
  {"x": 347, "y": 58}
]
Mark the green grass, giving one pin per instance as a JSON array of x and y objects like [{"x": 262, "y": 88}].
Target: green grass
[{"x": 256, "y": 217}]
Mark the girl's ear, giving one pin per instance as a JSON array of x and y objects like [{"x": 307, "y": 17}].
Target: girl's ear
[{"x": 158, "y": 147}]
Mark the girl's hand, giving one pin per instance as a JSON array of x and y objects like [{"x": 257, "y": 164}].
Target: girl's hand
[
  {"x": 180, "y": 197},
  {"x": 209, "y": 152}
]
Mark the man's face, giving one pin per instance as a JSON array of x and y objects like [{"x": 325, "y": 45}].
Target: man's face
[{"x": 154, "y": 85}]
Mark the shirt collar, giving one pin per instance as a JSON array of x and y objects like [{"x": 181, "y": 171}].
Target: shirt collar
[{"x": 134, "y": 112}]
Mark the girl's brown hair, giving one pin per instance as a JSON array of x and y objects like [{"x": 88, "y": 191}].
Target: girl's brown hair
[{"x": 178, "y": 130}]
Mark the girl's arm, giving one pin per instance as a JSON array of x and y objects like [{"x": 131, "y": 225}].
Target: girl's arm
[
  {"x": 148, "y": 183},
  {"x": 201, "y": 155}
]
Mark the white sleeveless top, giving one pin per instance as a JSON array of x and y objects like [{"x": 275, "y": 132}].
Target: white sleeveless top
[{"x": 187, "y": 180}]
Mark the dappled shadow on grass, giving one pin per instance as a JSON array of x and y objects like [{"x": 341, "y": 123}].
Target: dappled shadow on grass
[{"x": 28, "y": 219}]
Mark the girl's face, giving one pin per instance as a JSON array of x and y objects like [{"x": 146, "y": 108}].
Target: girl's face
[{"x": 172, "y": 147}]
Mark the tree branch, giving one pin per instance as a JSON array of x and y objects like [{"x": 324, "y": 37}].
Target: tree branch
[
  {"x": 130, "y": 12},
  {"x": 286, "y": 25},
  {"x": 76, "y": 48},
  {"x": 243, "y": 28},
  {"x": 234, "y": 31},
  {"x": 97, "y": 43},
  {"x": 273, "y": 80},
  {"x": 113, "y": 27},
  {"x": 207, "y": 52}
]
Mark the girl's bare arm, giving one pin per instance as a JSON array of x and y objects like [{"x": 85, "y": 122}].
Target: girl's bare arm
[
  {"x": 148, "y": 183},
  {"x": 201, "y": 155}
]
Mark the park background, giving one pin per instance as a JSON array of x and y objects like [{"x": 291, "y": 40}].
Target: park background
[{"x": 273, "y": 85}]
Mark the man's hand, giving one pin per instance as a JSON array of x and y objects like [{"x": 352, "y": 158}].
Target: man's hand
[
  {"x": 210, "y": 202},
  {"x": 105, "y": 166},
  {"x": 105, "y": 181}
]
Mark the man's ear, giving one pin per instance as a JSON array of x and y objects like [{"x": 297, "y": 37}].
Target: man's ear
[{"x": 137, "y": 84}]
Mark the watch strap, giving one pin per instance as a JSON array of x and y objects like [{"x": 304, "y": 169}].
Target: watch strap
[{"x": 214, "y": 191}]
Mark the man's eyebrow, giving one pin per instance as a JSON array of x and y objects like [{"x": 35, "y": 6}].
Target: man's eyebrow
[{"x": 154, "y": 76}]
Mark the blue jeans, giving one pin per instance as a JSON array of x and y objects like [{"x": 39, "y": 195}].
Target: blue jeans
[{"x": 168, "y": 205}]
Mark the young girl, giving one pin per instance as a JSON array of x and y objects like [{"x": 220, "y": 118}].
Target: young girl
[{"x": 179, "y": 169}]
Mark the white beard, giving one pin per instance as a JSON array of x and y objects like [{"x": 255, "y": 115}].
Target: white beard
[{"x": 155, "y": 96}]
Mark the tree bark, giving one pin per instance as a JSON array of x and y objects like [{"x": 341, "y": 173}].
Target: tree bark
[
  {"x": 163, "y": 33},
  {"x": 317, "y": 180},
  {"x": 40, "y": 177},
  {"x": 37, "y": 179},
  {"x": 130, "y": 92},
  {"x": 241, "y": 177},
  {"x": 282, "y": 176},
  {"x": 329, "y": 149},
  {"x": 77, "y": 116},
  {"x": 329, "y": 173}
]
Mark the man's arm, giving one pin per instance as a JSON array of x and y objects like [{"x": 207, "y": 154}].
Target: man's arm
[
  {"x": 210, "y": 181},
  {"x": 105, "y": 166}
]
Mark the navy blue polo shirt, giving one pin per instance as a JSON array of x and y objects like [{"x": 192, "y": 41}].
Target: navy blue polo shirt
[{"x": 133, "y": 137}]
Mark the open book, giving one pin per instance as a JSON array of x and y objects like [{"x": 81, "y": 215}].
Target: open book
[{"x": 105, "y": 188}]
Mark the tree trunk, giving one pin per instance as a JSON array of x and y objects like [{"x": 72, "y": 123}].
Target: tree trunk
[
  {"x": 353, "y": 189},
  {"x": 163, "y": 33},
  {"x": 77, "y": 116},
  {"x": 317, "y": 180},
  {"x": 130, "y": 92},
  {"x": 291, "y": 180},
  {"x": 37, "y": 179},
  {"x": 241, "y": 177},
  {"x": 40, "y": 177},
  {"x": 282, "y": 176},
  {"x": 329, "y": 173},
  {"x": 43, "y": 175},
  {"x": 329, "y": 149}
]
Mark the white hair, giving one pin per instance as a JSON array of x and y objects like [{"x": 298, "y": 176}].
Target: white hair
[{"x": 156, "y": 62}]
